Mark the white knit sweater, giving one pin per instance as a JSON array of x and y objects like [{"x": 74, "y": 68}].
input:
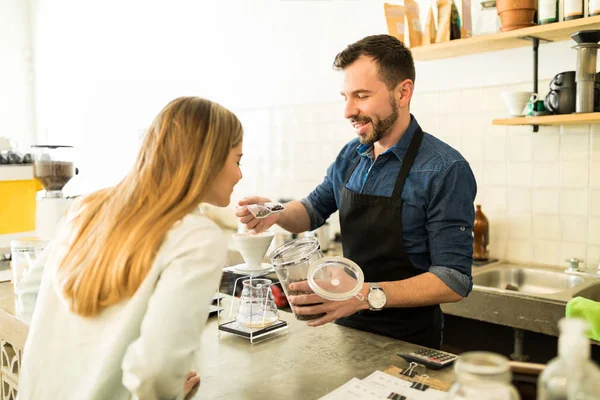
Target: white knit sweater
[{"x": 140, "y": 348}]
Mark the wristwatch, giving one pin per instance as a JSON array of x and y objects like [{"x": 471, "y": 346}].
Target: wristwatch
[{"x": 376, "y": 297}]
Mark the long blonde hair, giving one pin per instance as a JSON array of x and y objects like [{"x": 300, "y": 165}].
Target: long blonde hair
[{"x": 116, "y": 232}]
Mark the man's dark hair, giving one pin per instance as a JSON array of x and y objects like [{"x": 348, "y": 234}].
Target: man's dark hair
[{"x": 394, "y": 60}]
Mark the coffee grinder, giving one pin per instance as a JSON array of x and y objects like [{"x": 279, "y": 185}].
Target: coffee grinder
[{"x": 53, "y": 167}]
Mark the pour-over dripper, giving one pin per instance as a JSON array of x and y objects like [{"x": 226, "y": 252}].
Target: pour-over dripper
[
  {"x": 253, "y": 248},
  {"x": 257, "y": 305},
  {"x": 53, "y": 167}
]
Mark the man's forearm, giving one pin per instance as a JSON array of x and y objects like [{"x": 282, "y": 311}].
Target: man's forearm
[
  {"x": 295, "y": 218},
  {"x": 422, "y": 290}
]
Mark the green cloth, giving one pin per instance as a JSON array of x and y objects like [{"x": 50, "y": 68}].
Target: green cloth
[{"x": 587, "y": 310}]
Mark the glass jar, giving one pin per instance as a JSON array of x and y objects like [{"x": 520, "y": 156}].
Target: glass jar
[
  {"x": 482, "y": 375},
  {"x": 291, "y": 262}
]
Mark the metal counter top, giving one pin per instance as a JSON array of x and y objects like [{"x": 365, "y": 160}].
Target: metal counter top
[{"x": 304, "y": 363}]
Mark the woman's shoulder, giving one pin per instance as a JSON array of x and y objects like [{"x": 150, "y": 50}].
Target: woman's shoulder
[{"x": 195, "y": 230}]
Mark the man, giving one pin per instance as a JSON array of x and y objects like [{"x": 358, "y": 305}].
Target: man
[{"x": 405, "y": 200}]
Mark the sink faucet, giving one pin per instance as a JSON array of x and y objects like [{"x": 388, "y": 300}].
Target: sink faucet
[
  {"x": 573, "y": 264},
  {"x": 574, "y": 268}
]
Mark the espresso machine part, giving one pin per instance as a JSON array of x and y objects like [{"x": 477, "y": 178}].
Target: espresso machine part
[{"x": 585, "y": 71}]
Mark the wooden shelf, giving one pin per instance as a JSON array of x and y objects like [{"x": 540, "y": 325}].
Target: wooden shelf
[
  {"x": 564, "y": 119},
  {"x": 556, "y": 32}
]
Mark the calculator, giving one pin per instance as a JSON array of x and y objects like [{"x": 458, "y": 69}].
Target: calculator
[{"x": 432, "y": 359}]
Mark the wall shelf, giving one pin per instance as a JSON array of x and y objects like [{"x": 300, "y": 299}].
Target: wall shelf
[
  {"x": 564, "y": 119},
  {"x": 16, "y": 172},
  {"x": 556, "y": 32}
]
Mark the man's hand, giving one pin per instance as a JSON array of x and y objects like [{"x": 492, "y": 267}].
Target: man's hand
[
  {"x": 332, "y": 309},
  {"x": 253, "y": 224},
  {"x": 191, "y": 385}
]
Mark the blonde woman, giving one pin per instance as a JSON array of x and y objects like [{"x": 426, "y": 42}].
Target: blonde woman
[{"x": 124, "y": 289}]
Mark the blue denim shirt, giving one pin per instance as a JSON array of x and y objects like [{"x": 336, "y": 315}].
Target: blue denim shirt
[{"x": 437, "y": 213}]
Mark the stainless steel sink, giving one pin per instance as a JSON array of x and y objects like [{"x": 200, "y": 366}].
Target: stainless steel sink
[
  {"x": 527, "y": 281},
  {"x": 591, "y": 292}
]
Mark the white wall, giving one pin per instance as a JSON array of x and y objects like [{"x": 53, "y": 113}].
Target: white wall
[
  {"x": 16, "y": 75},
  {"x": 103, "y": 70}
]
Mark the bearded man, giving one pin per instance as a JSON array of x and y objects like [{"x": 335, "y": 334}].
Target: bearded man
[{"x": 405, "y": 202}]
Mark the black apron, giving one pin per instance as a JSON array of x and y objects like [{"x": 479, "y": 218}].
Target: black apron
[{"x": 372, "y": 237}]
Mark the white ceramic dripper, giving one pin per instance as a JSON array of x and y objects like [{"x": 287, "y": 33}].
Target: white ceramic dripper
[{"x": 253, "y": 248}]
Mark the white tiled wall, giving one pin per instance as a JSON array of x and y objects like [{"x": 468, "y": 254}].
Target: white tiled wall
[{"x": 540, "y": 191}]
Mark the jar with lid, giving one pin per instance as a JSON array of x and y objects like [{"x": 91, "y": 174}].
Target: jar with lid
[
  {"x": 594, "y": 8},
  {"x": 292, "y": 261},
  {"x": 572, "y": 9},
  {"x": 485, "y": 17},
  {"x": 482, "y": 375},
  {"x": 547, "y": 11}
]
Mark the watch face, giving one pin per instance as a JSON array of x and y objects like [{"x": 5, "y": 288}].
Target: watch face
[{"x": 377, "y": 298}]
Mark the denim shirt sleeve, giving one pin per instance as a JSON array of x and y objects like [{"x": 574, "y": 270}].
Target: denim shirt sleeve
[
  {"x": 321, "y": 203},
  {"x": 450, "y": 218}
]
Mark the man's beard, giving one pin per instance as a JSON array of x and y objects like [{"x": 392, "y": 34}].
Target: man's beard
[{"x": 380, "y": 126}]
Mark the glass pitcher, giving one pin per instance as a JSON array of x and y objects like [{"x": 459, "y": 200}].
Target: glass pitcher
[
  {"x": 482, "y": 375},
  {"x": 257, "y": 305}
]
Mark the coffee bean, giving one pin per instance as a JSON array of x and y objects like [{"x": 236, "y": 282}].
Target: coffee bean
[{"x": 301, "y": 292}]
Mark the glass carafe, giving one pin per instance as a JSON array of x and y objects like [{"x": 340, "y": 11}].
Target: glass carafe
[
  {"x": 257, "y": 305},
  {"x": 482, "y": 375}
]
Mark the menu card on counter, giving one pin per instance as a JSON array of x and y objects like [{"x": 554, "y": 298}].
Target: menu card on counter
[{"x": 380, "y": 385}]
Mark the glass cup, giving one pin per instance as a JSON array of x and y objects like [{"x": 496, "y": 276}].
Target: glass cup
[{"x": 23, "y": 255}]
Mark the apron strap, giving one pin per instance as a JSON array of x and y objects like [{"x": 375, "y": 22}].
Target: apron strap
[
  {"x": 407, "y": 163},
  {"x": 350, "y": 173}
]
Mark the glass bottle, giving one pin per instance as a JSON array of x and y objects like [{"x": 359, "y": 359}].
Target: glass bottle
[
  {"x": 481, "y": 235},
  {"x": 571, "y": 375},
  {"x": 482, "y": 375}
]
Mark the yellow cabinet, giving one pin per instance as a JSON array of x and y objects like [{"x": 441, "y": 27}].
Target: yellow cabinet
[{"x": 17, "y": 199}]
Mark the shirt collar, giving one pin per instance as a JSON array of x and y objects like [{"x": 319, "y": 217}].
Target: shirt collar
[{"x": 366, "y": 150}]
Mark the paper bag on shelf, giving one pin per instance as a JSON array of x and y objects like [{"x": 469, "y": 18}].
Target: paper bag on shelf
[
  {"x": 429, "y": 32},
  {"x": 448, "y": 21},
  {"x": 394, "y": 16},
  {"x": 466, "y": 30},
  {"x": 415, "y": 32}
]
